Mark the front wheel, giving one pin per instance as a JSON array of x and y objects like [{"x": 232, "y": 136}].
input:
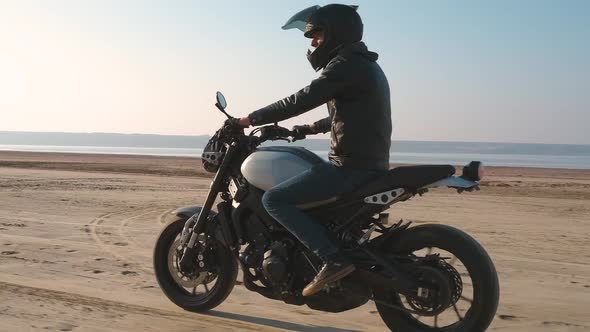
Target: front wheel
[
  {"x": 203, "y": 289},
  {"x": 460, "y": 292}
]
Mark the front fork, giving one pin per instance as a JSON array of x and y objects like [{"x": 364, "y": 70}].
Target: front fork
[{"x": 194, "y": 225}]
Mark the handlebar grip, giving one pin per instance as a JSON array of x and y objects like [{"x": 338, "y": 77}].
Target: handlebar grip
[
  {"x": 274, "y": 133},
  {"x": 298, "y": 136}
]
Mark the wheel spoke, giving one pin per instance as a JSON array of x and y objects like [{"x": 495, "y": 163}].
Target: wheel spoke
[
  {"x": 418, "y": 317},
  {"x": 453, "y": 260},
  {"x": 195, "y": 290},
  {"x": 206, "y": 288},
  {"x": 457, "y": 312},
  {"x": 456, "y": 272},
  {"x": 465, "y": 298}
]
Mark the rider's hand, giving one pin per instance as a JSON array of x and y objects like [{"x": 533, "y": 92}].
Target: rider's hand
[
  {"x": 303, "y": 130},
  {"x": 236, "y": 123},
  {"x": 244, "y": 122}
]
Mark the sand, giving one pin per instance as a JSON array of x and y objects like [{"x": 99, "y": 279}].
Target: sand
[{"x": 77, "y": 232}]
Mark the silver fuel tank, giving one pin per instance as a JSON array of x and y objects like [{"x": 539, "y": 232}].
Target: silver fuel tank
[{"x": 269, "y": 166}]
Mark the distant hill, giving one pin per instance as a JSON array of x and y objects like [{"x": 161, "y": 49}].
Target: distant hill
[
  {"x": 102, "y": 139},
  {"x": 126, "y": 140},
  {"x": 178, "y": 141}
]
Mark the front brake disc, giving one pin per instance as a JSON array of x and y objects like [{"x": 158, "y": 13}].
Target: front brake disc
[{"x": 184, "y": 280}]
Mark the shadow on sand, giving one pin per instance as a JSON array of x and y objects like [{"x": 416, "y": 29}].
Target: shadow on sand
[{"x": 277, "y": 323}]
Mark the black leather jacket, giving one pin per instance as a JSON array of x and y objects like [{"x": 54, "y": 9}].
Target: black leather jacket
[{"x": 357, "y": 94}]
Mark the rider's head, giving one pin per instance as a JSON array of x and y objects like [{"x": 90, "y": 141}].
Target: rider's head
[
  {"x": 330, "y": 27},
  {"x": 317, "y": 38}
]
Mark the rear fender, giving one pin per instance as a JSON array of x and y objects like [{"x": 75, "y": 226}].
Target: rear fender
[
  {"x": 456, "y": 182},
  {"x": 393, "y": 234}
]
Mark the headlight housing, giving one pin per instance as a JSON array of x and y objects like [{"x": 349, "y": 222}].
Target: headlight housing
[{"x": 213, "y": 153}]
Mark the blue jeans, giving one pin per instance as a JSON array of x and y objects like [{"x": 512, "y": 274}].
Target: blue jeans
[{"x": 323, "y": 181}]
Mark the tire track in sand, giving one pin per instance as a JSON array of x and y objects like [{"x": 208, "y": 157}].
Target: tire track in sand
[
  {"x": 107, "y": 306},
  {"x": 163, "y": 216},
  {"x": 114, "y": 250},
  {"x": 123, "y": 224}
]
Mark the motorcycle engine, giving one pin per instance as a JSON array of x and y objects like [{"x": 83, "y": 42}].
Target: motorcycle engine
[
  {"x": 274, "y": 264},
  {"x": 348, "y": 293},
  {"x": 287, "y": 272}
]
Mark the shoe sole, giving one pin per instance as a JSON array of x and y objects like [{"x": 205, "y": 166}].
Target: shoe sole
[{"x": 320, "y": 284}]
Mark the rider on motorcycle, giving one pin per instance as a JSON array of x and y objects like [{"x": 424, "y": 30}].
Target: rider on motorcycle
[{"x": 356, "y": 92}]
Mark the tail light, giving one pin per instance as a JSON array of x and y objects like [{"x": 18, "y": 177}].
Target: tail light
[{"x": 474, "y": 171}]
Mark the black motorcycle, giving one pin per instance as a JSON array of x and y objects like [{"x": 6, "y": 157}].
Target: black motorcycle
[{"x": 425, "y": 278}]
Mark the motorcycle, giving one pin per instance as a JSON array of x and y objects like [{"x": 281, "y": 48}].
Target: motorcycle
[{"x": 429, "y": 277}]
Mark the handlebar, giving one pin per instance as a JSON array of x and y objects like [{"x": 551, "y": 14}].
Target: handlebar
[
  {"x": 275, "y": 132},
  {"x": 269, "y": 132}
]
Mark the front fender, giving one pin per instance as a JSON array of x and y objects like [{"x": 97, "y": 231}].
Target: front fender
[
  {"x": 214, "y": 222},
  {"x": 187, "y": 212}
]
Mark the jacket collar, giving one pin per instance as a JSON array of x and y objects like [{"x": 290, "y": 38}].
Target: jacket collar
[{"x": 357, "y": 48}]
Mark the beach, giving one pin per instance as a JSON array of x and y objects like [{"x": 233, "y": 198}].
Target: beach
[{"x": 77, "y": 233}]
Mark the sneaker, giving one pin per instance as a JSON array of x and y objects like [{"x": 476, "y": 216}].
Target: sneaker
[{"x": 331, "y": 271}]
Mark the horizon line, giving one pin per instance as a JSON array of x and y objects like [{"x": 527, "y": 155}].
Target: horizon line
[{"x": 208, "y": 135}]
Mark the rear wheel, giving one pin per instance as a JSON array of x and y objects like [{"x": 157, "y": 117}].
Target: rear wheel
[
  {"x": 203, "y": 289},
  {"x": 460, "y": 292}
]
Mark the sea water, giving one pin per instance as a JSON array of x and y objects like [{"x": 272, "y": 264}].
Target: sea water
[{"x": 578, "y": 158}]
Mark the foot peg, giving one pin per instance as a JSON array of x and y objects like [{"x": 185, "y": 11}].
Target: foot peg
[{"x": 367, "y": 235}]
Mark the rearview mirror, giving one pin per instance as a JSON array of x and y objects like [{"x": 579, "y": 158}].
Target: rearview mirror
[{"x": 221, "y": 100}]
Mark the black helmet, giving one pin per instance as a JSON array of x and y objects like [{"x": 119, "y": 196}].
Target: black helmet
[{"x": 341, "y": 25}]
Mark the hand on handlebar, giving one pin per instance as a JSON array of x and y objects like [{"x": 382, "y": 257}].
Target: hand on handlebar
[
  {"x": 238, "y": 122},
  {"x": 244, "y": 122},
  {"x": 300, "y": 132},
  {"x": 274, "y": 132}
]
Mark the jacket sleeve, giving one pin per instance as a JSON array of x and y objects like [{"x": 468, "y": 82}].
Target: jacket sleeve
[
  {"x": 330, "y": 83},
  {"x": 324, "y": 125}
]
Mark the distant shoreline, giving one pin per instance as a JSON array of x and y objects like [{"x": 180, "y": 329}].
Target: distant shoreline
[
  {"x": 419, "y": 153},
  {"x": 191, "y": 166},
  {"x": 564, "y": 156},
  {"x": 179, "y": 141}
]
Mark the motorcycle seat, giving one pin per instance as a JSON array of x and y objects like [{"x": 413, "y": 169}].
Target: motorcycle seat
[{"x": 408, "y": 177}]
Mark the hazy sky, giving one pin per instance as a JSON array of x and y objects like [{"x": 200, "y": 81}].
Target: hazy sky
[{"x": 503, "y": 71}]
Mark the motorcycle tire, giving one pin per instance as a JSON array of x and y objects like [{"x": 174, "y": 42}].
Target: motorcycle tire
[
  {"x": 227, "y": 271},
  {"x": 475, "y": 259}
]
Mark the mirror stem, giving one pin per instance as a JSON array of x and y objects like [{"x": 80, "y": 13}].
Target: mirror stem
[{"x": 222, "y": 110}]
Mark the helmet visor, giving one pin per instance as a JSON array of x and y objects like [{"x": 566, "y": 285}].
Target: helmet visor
[{"x": 299, "y": 20}]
